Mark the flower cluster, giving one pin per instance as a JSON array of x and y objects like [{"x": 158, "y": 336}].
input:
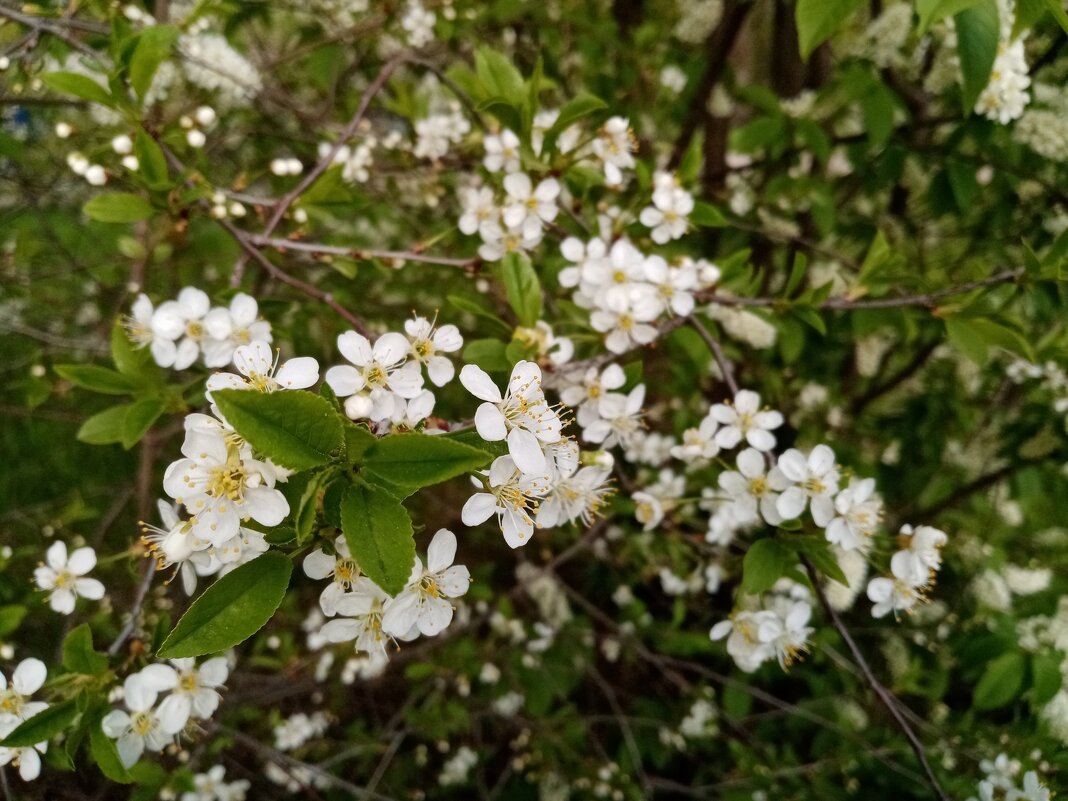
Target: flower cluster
[
  {"x": 192, "y": 692},
  {"x": 779, "y": 630},
  {"x": 180, "y": 331},
  {"x": 16, "y": 707},
  {"x": 1000, "y": 782}
]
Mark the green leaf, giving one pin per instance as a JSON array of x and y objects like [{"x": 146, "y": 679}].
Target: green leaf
[
  {"x": 97, "y": 379},
  {"x": 1056, "y": 8},
  {"x": 357, "y": 440},
  {"x": 819, "y": 552},
  {"x": 978, "y": 35},
  {"x": 232, "y": 609},
  {"x": 42, "y": 727},
  {"x": 707, "y": 216},
  {"x": 139, "y": 418},
  {"x": 479, "y": 311},
  {"x": 118, "y": 207},
  {"x": 522, "y": 287},
  {"x": 152, "y": 164},
  {"x": 79, "y": 655},
  {"x": 11, "y": 618},
  {"x": 106, "y": 427},
  {"x": 105, "y": 755},
  {"x": 1045, "y": 677},
  {"x": 1001, "y": 682},
  {"x": 817, "y": 20},
  {"x": 128, "y": 359},
  {"x": 153, "y": 46},
  {"x": 931, "y": 11},
  {"x": 499, "y": 76},
  {"x": 379, "y": 535},
  {"x": 71, "y": 83},
  {"x": 308, "y": 506},
  {"x": 764, "y": 564},
  {"x": 408, "y": 462},
  {"x": 294, "y": 428},
  {"x": 489, "y": 354},
  {"x": 974, "y": 336},
  {"x": 575, "y": 109}
]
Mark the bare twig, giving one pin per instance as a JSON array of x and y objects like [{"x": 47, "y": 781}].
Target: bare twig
[
  {"x": 885, "y": 696},
  {"x": 357, "y": 253},
  {"x": 717, "y": 352}
]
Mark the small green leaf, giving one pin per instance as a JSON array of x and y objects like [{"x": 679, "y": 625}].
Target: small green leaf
[
  {"x": 71, "y": 83},
  {"x": 106, "y": 427},
  {"x": 575, "y": 109},
  {"x": 499, "y": 76},
  {"x": 105, "y": 755},
  {"x": 139, "y": 418},
  {"x": 978, "y": 35},
  {"x": 379, "y": 535},
  {"x": 522, "y": 287},
  {"x": 1045, "y": 677},
  {"x": 308, "y": 507},
  {"x": 765, "y": 562},
  {"x": 118, "y": 207},
  {"x": 489, "y": 354},
  {"x": 79, "y": 655},
  {"x": 408, "y": 462},
  {"x": 232, "y": 609},
  {"x": 152, "y": 164},
  {"x": 97, "y": 379},
  {"x": 707, "y": 216},
  {"x": 817, "y": 20},
  {"x": 1001, "y": 682},
  {"x": 357, "y": 440},
  {"x": 153, "y": 47},
  {"x": 42, "y": 727},
  {"x": 11, "y": 618},
  {"x": 931, "y": 11},
  {"x": 294, "y": 429}
]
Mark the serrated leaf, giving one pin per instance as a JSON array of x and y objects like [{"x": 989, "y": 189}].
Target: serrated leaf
[
  {"x": 232, "y": 609},
  {"x": 79, "y": 656},
  {"x": 522, "y": 287},
  {"x": 378, "y": 531},
  {"x": 118, "y": 207},
  {"x": 409, "y": 462},
  {"x": 71, "y": 83},
  {"x": 97, "y": 379},
  {"x": 499, "y": 76},
  {"x": 978, "y": 35},
  {"x": 1001, "y": 682},
  {"x": 294, "y": 428},
  {"x": 152, "y": 164},
  {"x": 42, "y": 727},
  {"x": 764, "y": 564}
]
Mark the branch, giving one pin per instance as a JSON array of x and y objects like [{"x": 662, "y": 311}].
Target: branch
[
  {"x": 888, "y": 699},
  {"x": 717, "y": 352},
  {"x": 357, "y": 253}
]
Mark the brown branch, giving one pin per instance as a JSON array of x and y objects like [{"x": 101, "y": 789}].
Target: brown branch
[
  {"x": 885, "y": 696},
  {"x": 717, "y": 352},
  {"x": 357, "y": 253}
]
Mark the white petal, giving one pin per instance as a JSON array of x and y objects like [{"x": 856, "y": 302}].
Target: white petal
[
  {"x": 81, "y": 561},
  {"x": 478, "y": 383},
  {"x": 391, "y": 348},
  {"x": 298, "y": 373},
  {"x": 29, "y": 676},
  {"x": 255, "y": 358},
  {"x": 355, "y": 348},
  {"x": 791, "y": 503},
  {"x": 268, "y": 507},
  {"x": 344, "y": 380},
  {"x": 130, "y": 748},
  {"x": 442, "y": 551},
  {"x": 526, "y": 451},
  {"x": 89, "y": 588},
  {"x": 490, "y": 423},
  {"x": 56, "y": 556},
  {"x": 479, "y": 508},
  {"x": 794, "y": 465}
]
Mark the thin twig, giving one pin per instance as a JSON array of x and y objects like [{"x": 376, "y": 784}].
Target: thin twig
[
  {"x": 357, "y": 253},
  {"x": 885, "y": 696},
  {"x": 717, "y": 353},
  {"x": 135, "y": 611}
]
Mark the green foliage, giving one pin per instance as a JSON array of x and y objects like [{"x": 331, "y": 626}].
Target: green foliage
[
  {"x": 232, "y": 609},
  {"x": 765, "y": 563},
  {"x": 523, "y": 288},
  {"x": 295, "y": 429},
  {"x": 978, "y": 34},
  {"x": 378, "y": 531},
  {"x": 404, "y": 463},
  {"x": 817, "y": 20},
  {"x": 42, "y": 727},
  {"x": 118, "y": 207},
  {"x": 1001, "y": 682},
  {"x": 79, "y": 655}
]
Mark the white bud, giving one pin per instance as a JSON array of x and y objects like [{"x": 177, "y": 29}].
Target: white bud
[
  {"x": 218, "y": 212},
  {"x": 294, "y": 167},
  {"x": 278, "y": 166},
  {"x": 77, "y": 163},
  {"x": 196, "y": 138},
  {"x": 205, "y": 116},
  {"x": 237, "y": 210},
  {"x": 122, "y": 144},
  {"x": 131, "y": 163},
  {"x": 5, "y": 62},
  {"x": 96, "y": 175},
  {"x": 63, "y": 130},
  {"x": 300, "y": 216},
  {"x": 357, "y": 407},
  {"x": 185, "y": 121}
]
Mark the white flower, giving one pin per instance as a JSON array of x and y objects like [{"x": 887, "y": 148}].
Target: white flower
[
  {"x": 899, "y": 593},
  {"x": 786, "y": 631},
  {"x": 428, "y": 343},
  {"x": 620, "y": 420},
  {"x": 193, "y": 690},
  {"x": 424, "y": 603},
  {"x": 671, "y": 207},
  {"x": 502, "y": 152},
  {"x": 145, "y": 727},
  {"x": 360, "y": 619},
  {"x": 923, "y": 551},
  {"x": 479, "y": 208},
  {"x": 754, "y": 488},
  {"x": 419, "y": 23},
  {"x": 138, "y": 324},
  {"x": 178, "y": 329},
  {"x": 210, "y": 786},
  {"x": 698, "y": 443},
  {"x": 522, "y": 416},
  {"x": 529, "y": 206},
  {"x": 64, "y": 579},
  {"x": 259, "y": 371},
  {"x": 26, "y": 758},
  {"x": 615, "y": 146},
  {"x": 175, "y": 544},
  {"x": 380, "y": 372},
  {"x": 625, "y": 322},
  {"x": 511, "y": 495},
  {"x": 593, "y": 387},
  {"x": 239, "y": 324},
  {"x": 743, "y": 642},
  {"x": 648, "y": 510},
  {"x": 743, "y": 419},
  {"x": 815, "y": 480},
  {"x": 15, "y": 703},
  {"x": 496, "y": 241},
  {"x": 575, "y": 496},
  {"x": 858, "y": 511},
  {"x": 674, "y": 284},
  {"x": 340, "y": 567}
]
